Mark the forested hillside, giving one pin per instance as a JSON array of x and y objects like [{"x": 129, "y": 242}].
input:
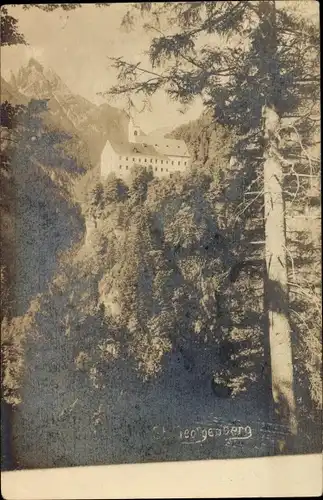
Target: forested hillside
[
  {"x": 44, "y": 154},
  {"x": 153, "y": 294},
  {"x": 208, "y": 141},
  {"x": 157, "y": 301},
  {"x": 38, "y": 214},
  {"x": 262, "y": 80},
  {"x": 165, "y": 275},
  {"x": 50, "y": 138}
]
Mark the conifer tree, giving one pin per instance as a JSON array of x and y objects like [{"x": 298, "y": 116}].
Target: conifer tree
[{"x": 263, "y": 67}]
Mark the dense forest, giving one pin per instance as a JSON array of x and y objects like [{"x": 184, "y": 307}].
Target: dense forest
[{"x": 154, "y": 281}]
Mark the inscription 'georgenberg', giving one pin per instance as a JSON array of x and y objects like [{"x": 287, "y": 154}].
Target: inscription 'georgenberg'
[{"x": 200, "y": 434}]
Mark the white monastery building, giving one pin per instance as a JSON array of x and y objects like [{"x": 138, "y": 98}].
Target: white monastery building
[{"x": 164, "y": 156}]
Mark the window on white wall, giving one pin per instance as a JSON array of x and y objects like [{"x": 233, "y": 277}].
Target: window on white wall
[
  {"x": 161, "y": 161},
  {"x": 179, "y": 163},
  {"x": 133, "y": 159},
  {"x": 120, "y": 166},
  {"x": 146, "y": 160},
  {"x": 172, "y": 163},
  {"x": 162, "y": 169},
  {"x": 127, "y": 158},
  {"x": 185, "y": 163}
]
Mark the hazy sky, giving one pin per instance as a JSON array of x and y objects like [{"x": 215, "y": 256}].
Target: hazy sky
[{"x": 76, "y": 44}]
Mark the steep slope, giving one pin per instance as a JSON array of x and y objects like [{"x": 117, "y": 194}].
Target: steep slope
[
  {"x": 38, "y": 178},
  {"x": 39, "y": 218},
  {"x": 7, "y": 203}
]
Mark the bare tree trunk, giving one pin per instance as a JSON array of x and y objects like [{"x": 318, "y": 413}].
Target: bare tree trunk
[
  {"x": 277, "y": 278},
  {"x": 276, "y": 290}
]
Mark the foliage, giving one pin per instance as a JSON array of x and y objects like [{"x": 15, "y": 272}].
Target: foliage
[
  {"x": 263, "y": 56},
  {"x": 13, "y": 353},
  {"x": 158, "y": 277},
  {"x": 226, "y": 75},
  {"x": 9, "y": 29},
  {"x": 36, "y": 178},
  {"x": 154, "y": 280},
  {"x": 209, "y": 142}
]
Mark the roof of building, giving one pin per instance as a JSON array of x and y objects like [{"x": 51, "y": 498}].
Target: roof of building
[
  {"x": 133, "y": 148},
  {"x": 153, "y": 144},
  {"x": 167, "y": 147}
]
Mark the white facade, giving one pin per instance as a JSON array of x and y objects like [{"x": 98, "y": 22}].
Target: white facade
[
  {"x": 109, "y": 160},
  {"x": 145, "y": 151}
]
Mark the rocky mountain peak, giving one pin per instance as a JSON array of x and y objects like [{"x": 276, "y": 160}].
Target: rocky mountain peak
[
  {"x": 67, "y": 111},
  {"x": 35, "y": 80},
  {"x": 34, "y": 63}
]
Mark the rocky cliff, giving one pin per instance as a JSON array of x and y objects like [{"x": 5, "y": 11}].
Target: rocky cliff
[
  {"x": 72, "y": 113},
  {"x": 44, "y": 155}
]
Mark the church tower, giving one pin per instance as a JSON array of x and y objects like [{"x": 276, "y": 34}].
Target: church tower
[{"x": 133, "y": 131}]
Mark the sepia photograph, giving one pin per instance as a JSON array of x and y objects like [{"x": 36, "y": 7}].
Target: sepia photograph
[{"x": 160, "y": 232}]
